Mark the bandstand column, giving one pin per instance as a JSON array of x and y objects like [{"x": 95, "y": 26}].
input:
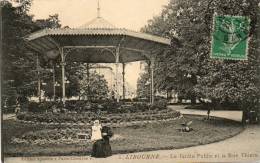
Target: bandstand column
[
  {"x": 39, "y": 79},
  {"x": 123, "y": 74},
  {"x": 63, "y": 76},
  {"x": 88, "y": 80},
  {"x": 54, "y": 82},
  {"x": 152, "y": 80},
  {"x": 117, "y": 65}
]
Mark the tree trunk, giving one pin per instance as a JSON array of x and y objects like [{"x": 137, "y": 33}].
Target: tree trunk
[
  {"x": 180, "y": 100},
  {"x": 167, "y": 95},
  {"x": 193, "y": 100}
]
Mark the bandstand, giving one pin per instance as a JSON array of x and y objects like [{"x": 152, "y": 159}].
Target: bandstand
[{"x": 98, "y": 41}]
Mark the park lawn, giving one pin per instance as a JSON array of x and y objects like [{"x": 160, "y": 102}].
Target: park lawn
[{"x": 155, "y": 136}]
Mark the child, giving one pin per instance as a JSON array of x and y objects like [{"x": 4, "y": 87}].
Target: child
[{"x": 96, "y": 131}]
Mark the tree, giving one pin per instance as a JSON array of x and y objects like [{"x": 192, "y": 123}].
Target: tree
[
  {"x": 19, "y": 73},
  {"x": 143, "y": 86},
  {"x": 73, "y": 76},
  {"x": 95, "y": 86},
  {"x": 182, "y": 64},
  {"x": 17, "y": 61},
  {"x": 233, "y": 82},
  {"x": 188, "y": 68},
  {"x": 51, "y": 22}
]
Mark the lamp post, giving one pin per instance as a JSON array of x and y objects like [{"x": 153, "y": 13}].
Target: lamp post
[{"x": 117, "y": 83}]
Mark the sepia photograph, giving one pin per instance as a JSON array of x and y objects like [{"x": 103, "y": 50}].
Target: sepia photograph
[{"x": 104, "y": 81}]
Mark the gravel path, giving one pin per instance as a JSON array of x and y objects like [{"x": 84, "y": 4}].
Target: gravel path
[{"x": 233, "y": 115}]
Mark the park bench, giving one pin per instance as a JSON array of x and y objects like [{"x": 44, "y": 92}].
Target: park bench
[{"x": 83, "y": 136}]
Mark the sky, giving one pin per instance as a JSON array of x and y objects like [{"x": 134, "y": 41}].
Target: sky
[{"x": 130, "y": 14}]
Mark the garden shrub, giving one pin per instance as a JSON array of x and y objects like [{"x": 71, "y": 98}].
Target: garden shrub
[
  {"x": 40, "y": 107},
  {"x": 159, "y": 104},
  {"x": 8, "y": 110},
  {"x": 33, "y": 107},
  {"x": 20, "y": 116},
  {"x": 139, "y": 107},
  {"x": 105, "y": 106}
]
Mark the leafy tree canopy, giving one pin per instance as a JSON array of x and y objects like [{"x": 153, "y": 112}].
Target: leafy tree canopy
[
  {"x": 188, "y": 68},
  {"x": 19, "y": 73}
]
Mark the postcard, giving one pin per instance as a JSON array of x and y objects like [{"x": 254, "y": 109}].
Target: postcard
[{"x": 130, "y": 81}]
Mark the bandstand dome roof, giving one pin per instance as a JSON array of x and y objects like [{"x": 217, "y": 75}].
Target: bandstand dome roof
[
  {"x": 98, "y": 23},
  {"x": 95, "y": 41}
]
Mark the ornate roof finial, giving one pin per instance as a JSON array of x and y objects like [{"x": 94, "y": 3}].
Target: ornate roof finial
[{"x": 98, "y": 10}]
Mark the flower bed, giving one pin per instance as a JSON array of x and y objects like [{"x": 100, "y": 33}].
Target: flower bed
[
  {"x": 65, "y": 132},
  {"x": 89, "y": 117},
  {"x": 51, "y": 136}
]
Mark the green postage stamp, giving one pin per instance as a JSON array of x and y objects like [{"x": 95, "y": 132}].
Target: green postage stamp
[{"x": 230, "y": 37}]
